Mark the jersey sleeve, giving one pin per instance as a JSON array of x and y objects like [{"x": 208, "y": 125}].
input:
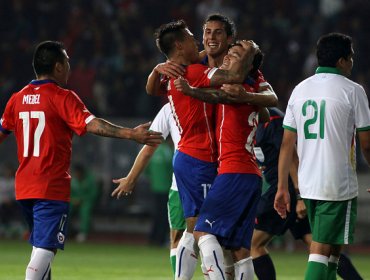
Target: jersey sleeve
[
  {"x": 289, "y": 120},
  {"x": 362, "y": 112},
  {"x": 199, "y": 75},
  {"x": 7, "y": 121},
  {"x": 161, "y": 123},
  {"x": 74, "y": 112}
]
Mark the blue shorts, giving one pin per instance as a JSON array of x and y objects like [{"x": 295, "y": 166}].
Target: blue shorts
[
  {"x": 47, "y": 220},
  {"x": 194, "y": 178},
  {"x": 230, "y": 209}
]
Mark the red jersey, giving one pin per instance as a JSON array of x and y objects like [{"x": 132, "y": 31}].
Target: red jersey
[
  {"x": 236, "y": 127},
  {"x": 194, "y": 118},
  {"x": 43, "y": 117}
]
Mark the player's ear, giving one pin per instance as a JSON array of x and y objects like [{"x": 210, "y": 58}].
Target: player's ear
[
  {"x": 178, "y": 45},
  {"x": 58, "y": 68}
]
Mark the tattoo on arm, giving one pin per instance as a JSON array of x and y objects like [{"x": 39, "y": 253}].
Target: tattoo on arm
[
  {"x": 210, "y": 95},
  {"x": 104, "y": 128},
  {"x": 222, "y": 77}
]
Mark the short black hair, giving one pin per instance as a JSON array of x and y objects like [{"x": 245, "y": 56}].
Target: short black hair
[
  {"x": 257, "y": 59},
  {"x": 331, "y": 47},
  {"x": 257, "y": 62},
  {"x": 46, "y": 55},
  {"x": 167, "y": 34},
  {"x": 228, "y": 23}
]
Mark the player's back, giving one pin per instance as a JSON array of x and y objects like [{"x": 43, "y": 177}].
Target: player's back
[
  {"x": 324, "y": 109},
  {"x": 43, "y": 117},
  {"x": 194, "y": 118}
]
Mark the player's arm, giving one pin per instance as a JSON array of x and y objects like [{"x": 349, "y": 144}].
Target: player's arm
[
  {"x": 282, "y": 198},
  {"x": 364, "y": 138},
  {"x": 263, "y": 115},
  {"x": 154, "y": 85},
  {"x": 293, "y": 173},
  {"x": 209, "y": 95},
  {"x": 140, "y": 134},
  {"x": 2, "y": 136},
  {"x": 212, "y": 95},
  {"x": 265, "y": 97},
  {"x": 127, "y": 184}
]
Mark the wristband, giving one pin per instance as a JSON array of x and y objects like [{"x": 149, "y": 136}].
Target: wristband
[{"x": 298, "y": 196}]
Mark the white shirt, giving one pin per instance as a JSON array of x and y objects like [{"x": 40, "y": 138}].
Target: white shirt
[
  {"x": 164, "y": 122},
  {"x": 325, "y": 110}
]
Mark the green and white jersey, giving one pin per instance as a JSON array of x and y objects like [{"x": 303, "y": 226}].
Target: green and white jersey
[
  {"x": 164, "y": 122},
  {"x": 325, "y": 110}
]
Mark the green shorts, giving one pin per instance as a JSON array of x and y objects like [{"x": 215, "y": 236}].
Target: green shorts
[
  {"x": 175, "y": 213},
  {"x": 332, "y": 222}
]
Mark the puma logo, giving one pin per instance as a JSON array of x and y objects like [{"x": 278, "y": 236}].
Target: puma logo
[
  {"x": 208, "y": 222},
  {"x": 210, "y": 269}
]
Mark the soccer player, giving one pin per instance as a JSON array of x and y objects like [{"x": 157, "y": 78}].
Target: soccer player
[
  {"x": 164, "y": 123},
  {"x": 43, "y": 117},
  {"x": 268, "y": 223},
  {"x": 323, "y": 115},
  {"x": 195, "y": 160},
  {"x": 227, "y": 215}
]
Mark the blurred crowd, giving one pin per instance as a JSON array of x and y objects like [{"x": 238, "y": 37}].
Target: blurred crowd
[{"x": 112, "y": 50}]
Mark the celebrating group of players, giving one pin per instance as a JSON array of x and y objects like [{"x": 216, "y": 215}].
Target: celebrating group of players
[{"x": 215, "y": 116}]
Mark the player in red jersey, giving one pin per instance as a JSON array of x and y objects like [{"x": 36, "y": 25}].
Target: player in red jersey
[
  {"x": 195, "y": 160},
  {"x": 229, "y": 208},
  {"x": 43, "y": 117}
]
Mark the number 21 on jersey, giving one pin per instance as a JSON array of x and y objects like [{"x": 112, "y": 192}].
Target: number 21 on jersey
[
  {"x": 317, "y": 112},
  {"x": 26, "y": 116}
]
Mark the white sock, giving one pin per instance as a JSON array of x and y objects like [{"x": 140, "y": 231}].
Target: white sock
[
  {"x": 244, "y": 269},
  {"x": 318, "y": 258},
  {"x": 229, "y": 264},
  {"x": 39, "y": 264},
  {"x": 33, "y": 252},
  {"x": 212, "y": 256},
  {"x": 186, "y": 258}
]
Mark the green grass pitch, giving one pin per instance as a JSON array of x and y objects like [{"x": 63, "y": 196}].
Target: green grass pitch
[{"x": 133, "y": 262}]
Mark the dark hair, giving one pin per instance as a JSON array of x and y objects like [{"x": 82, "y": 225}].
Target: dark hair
[
  {"x": 257, "y": 59},
  {"x": 167, "y": 34},
  {"x": 257, "y": 62},
  {"x": 228, "y": 23},
  {"x": 331, "y": 47},
  {"x": 46, "y": 55}
]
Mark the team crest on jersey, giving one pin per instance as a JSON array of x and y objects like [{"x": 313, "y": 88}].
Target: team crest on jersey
[{"x": 60, "y": 237}]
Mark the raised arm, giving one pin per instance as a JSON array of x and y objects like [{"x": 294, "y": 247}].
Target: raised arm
[
  {"x": 266, "y": 97},
  {"x": 127, "y": 184},
  {"x": 238, "y": 94},
  {"x": 154, "y": 86},
  {"x": 140, "y": 134}
]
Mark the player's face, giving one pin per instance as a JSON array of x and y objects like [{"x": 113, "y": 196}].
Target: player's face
[
  {"x": 233, "y": 57},
  {"x": 348, "y": 65},
  {"x": 63, "y": 70},
  {"x": 215, "y": 39},
  {"x": 190, "y": 46}
]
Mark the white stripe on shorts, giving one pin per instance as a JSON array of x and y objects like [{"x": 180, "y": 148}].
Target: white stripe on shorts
[{"x": 346, "y": 226}]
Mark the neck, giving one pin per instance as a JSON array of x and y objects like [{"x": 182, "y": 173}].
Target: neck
[
  {"x": 216, "y": 61},
  {"x": 48, "y": 77},
  {"x": 180, "y": 60}
]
